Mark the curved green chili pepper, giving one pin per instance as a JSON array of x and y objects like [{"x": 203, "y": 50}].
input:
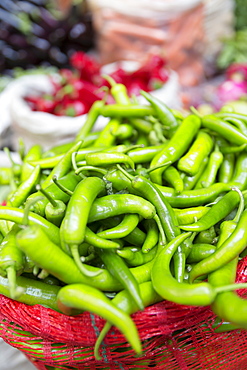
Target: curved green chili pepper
[
  {"x": 126, "y": 226},
  {"x": 84, "y": 297},
  {"x": 191, "y": 162},
  {"x": 118, "y": 204},
  {"x": 176, "y": 146},
  {"x": 152, "y": 235},
  {"x": 209, "y": 175},
  {"x": 195, "y": 197},
  {"x": 135, "y": 257},
  {"x": 224, "y": 129},
  {"x": 216, "y": 213},
  {"x": 187, "y": 216},
  {"x": 200, "y": 294},
  {"x": 19, "y": 196},
  {"x": 16, "y": 215},
  {"x": 73, "y": 226},
  {"x": 230, "y": 249},
  {"x": 124, "y": 302},
  {"x": 164, "y": 114}
]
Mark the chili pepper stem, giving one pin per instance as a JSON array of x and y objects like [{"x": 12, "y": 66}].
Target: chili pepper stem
[
  {"x": 230, "y": 287},
  {"x": 241, "y": 204},
  {"x": 78, "y": 262},
  {"x": 100, "y": 339},
  {"x": 74, "y": 164},
  {"x": 47, "y": 195},
  {"x": 93, "y": 168},
  {"x": 128, "y": 175},
  {"x": 162, "y": 233},
  {"x": 15, "y": 292},
  {"x": 61, "y": 187}
]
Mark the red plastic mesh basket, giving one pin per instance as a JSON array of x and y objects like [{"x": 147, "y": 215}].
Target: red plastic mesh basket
[{"x": 174, "y": 337}]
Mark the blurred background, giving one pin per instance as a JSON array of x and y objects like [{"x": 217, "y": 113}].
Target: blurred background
[{"x": 192, "y": 52}]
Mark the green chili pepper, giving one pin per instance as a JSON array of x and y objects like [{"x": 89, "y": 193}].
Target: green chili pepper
[
  {"x": 209, "y": 175},
  {"x": 34, "y": 292},
  {"x": 187, "y": 216},
  {"x": 164, "y": 114},
  {"x": 108, "y": 159},
  {"x": 70, "y": 181},
  {"x": 107, "y": 136},
  {"x": 152, "y": 235},
  {"x": 239, "y": 177},
  {"x": 16, "y": 215},
  {"x": 191, "y": 162},
  {"x": 91, "y": 119},
  {"x": 51, "y": 162},
  {"x": 124, "y": 302},
  {"x": 128, "y": 111},
  {"x": 224, "y": 129},
  {"x": 19, "y": 196},
  {"x": 73, "y": 226},
  {"x": 118, "y": 269},
  {"x": 142, "y": 125},
  {"x": 81, "y": 296},
  {"x": 63, "y": 166},
  {"x": 66, "y": 270},
  {"x": 207, "y": 237},
  {"x": 195, "y": 197},
  {"x": 190, "y": 181},
  {"x": 135, "y": 257},
  {"x": 230, "y": 249},
  {"x": 176, "y": 146},
  {"x": 172, "y": 176},
  {"x": 228, "y": 305},
  {"x": 12, "y": 261},
  {"x": 200, "y": 294},
  {"x": 126, "y": 226},
  {"x": 98, "y": 241},
  {"x": 199, "y": 252},
  {"x": 226, "y": 169},
  {"x": 55, "y": 209},
  {"x": 33, "y": 154},
  {"x": 165, "y": 212},
  {"x": 216, "y": 213},
  {"x": 118, "y": 204}
]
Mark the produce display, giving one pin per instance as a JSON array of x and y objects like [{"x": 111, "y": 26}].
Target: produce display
[{"x": 149, "y": 209}]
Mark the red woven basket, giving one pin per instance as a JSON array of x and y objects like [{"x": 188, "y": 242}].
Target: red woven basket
[{"x": 174, "y": 337}]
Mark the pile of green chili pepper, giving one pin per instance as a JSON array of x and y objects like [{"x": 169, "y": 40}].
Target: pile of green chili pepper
[{"x": 151, "y": 208}]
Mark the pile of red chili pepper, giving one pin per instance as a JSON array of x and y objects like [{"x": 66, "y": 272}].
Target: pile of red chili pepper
[
  {"x": 78, "y": 88},
  {"x": 151, "y": 208}
]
